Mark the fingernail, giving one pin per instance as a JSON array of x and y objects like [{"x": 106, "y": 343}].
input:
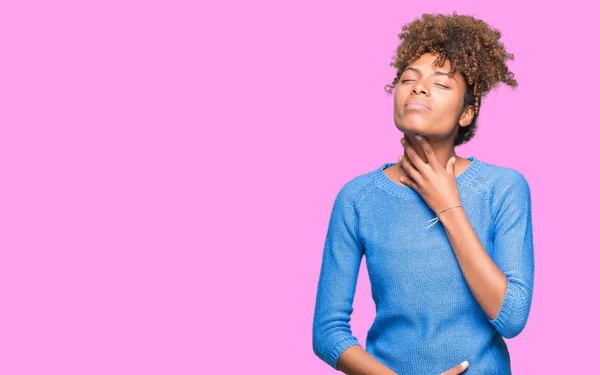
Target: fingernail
[
  {"x": 403, "y": 140},
  {"x": 418, "y": 137},
  {"x": 464, "y": 364}
]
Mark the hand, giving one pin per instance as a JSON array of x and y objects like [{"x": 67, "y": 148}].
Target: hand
[
  {"x": 436, "y": 184},
  {"x": 458, "y": 369}
]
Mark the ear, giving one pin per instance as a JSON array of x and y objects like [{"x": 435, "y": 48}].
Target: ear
[{"x": 467, "y": 116}]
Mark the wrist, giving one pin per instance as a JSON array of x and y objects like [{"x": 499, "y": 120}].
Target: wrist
[{"x": 451, "y": 214}]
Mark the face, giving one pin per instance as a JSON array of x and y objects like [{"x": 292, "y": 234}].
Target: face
[{"x": 428, "y": 102}]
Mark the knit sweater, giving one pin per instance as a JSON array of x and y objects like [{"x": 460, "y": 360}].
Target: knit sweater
[{"x": 427, "y": 319}]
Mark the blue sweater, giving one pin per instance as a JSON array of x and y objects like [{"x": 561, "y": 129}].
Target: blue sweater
[{"x": 427, "y": 320}]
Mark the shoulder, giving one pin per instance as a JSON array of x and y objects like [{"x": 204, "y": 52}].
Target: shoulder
[
  {"x": 507, "y": 187},
  {"x": 501, "y": 180},
  {"x": 353, "y": 190}
]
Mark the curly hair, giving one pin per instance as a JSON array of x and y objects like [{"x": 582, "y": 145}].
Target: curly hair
[{"x": 472, "y": 47}]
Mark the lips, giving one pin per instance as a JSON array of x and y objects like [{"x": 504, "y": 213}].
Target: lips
[{"x": 417, "y": 105}]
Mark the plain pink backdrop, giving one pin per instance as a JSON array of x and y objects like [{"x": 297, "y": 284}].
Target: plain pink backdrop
[{"x": 168, "y": 170}]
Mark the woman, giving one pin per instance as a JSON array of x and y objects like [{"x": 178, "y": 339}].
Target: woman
[{"x": 447, "y": 240}]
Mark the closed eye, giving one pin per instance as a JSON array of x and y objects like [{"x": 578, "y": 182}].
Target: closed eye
[{"x": 410, "y": 80}]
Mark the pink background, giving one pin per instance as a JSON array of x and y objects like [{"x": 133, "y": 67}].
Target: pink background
[{"x": 168, "y": 170}]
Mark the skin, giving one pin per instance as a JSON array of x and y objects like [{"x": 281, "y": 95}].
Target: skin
[
  {"x": 439, "y": 125},
  {"x": 430, "y": 167}
]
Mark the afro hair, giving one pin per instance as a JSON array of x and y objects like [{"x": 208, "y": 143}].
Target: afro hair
[{"x": 472, "y": 47}]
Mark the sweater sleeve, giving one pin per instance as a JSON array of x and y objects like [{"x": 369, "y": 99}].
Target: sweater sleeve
[
  {"x": 513, "y": 253},
  {"x": 342, "y": 255}
]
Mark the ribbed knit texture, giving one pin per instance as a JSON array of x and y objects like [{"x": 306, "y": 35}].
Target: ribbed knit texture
[{"x": 427, "y": 320}]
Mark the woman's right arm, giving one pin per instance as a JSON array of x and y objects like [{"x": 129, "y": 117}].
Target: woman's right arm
[
  {"x": 356, "y": 361},
  {"x": 333, "y": 341}
]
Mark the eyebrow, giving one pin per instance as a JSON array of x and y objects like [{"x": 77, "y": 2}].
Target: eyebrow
[{"x": 437, "y": 72}]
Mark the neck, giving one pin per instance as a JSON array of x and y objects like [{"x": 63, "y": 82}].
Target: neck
[{"x": 443, "y": 152}]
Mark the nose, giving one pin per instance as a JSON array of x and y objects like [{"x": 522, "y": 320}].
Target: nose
[{"x": 419, "y": 88}]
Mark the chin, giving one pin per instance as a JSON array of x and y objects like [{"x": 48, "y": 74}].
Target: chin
[{"x": 412, "y": 126}]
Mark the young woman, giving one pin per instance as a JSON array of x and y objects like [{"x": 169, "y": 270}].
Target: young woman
[{"x": 447, "y": 240}]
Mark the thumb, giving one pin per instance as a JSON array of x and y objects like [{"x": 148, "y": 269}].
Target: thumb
[
  {"x": 450, "y": 166},
  {"x": 460, "y": 368}
]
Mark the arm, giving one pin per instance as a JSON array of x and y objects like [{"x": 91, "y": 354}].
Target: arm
[
  {"x": 356, "y": 361},
  {"x": 502, "y": 286},
  {"x": 342, "y": 256}
]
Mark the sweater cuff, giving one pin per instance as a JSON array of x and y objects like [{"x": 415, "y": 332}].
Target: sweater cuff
[
  {"x": 502, "y": 320},
  {"x": 336, "y": 351}
]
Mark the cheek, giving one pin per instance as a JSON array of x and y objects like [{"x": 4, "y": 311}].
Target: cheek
[
  {"x": 450, "y": 105},
  {"x": 397, "y": 95},
  {"x": 400, "y": 97}
]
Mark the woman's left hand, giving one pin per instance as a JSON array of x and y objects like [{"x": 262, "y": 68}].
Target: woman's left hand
[{"x": 436, "y": 184}]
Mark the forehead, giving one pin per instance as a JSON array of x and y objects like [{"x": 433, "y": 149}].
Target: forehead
[{"x": 425, "y": 65}]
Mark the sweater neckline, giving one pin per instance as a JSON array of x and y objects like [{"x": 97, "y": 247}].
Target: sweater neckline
[{"x": 397, "y": 189}]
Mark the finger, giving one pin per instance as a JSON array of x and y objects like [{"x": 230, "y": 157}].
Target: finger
[
  {"x": 409, "y": 182},
  {"x": 458, "y": 369},
  {"x": 414, "y": 157},
  {"x": 414, "y": 174},
  {"x": 434, "y": 163},
  {"x": 450, "y": 167}
]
